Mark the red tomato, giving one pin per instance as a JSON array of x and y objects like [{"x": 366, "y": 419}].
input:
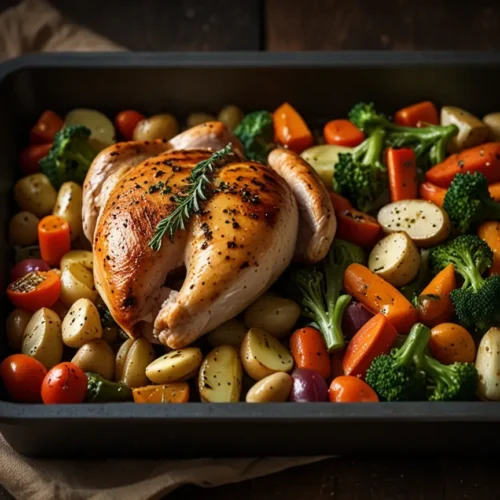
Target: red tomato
[
  {"x": 65, "y": 383},
  {"x": 22, "y": 376},
  {"x": 126, "y": 122}
]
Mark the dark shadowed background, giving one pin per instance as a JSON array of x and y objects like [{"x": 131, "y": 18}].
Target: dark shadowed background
[{"x": 162, "y": 25}]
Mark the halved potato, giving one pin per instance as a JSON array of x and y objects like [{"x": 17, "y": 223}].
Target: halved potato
[
  {"x": 395, "y": 258},
  {"x": 69, "y": 207},
  {"x": 424, "y": 222},
  {"x": 34, "y": 193},
  {"x": 323, "y": 159},
  {"x": 263, "y": 355},
  {"x": 176, "y": 392},
  {"x": 274, "y": 388},
  {"x": 121, "y": 357},
  {"x": 175, "y": 366},
  {"x": 471, "y": 130},
  {"x": 96, "y": 356},
  {"x": 488, "y": 365},
  {"x": 219, "y": 380},
  {"x": 492, "y": 121},
  {"x": 81, "y": 324},
  {"x": 77, "y": 282},
  {"x": 43, "y": 338},
  {"x": 229, "y": 333},
  {"x": 83, "y": 257},
  {"x": 102, "y": 130},
  {"x": 17, "y": 322},
  {"x": 275, "y": 315},
  {"x": 133, "y": 369}
]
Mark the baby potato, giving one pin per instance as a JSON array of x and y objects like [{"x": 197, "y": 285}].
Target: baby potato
[
  {"x": 274, "y": 388},
  {"x": 492, "y": 121},
  {"x": 198, "y": 118},
  {"x": 77, "y": 282},
  {"x": 69, "y": 207},
  {"x": 102, "y": 130},
  {"x": 175, "y": 366},
  {"x": 229, "y": 333},
  {"x": 23, "y": 229},
  {"x": 132, "y": 370},
  {"x": 96, "y": 356},
  {"x": 230, "y": 116},
  {"x": 488, "y": 365},
  {"x": 263, "y": 355},
  {"x": 35, "y": 194},
  {"x": 275, "y": 315},
  {"x": 424, "y": 222},
  {"x": 323, "y": 159},
  {"x": 395, "y": 258},
  {"x": 81, "y": 324},
  {"x": 17, "y": 322},
  {"x": 83, "y": 257},
  {"x": 43, "y": 338},
  {"x": 163, "y": 126},
  {"x": 471, "y": 130},
  {"x": 121, "y": 356},
  {"x": 219, "y": 380}
]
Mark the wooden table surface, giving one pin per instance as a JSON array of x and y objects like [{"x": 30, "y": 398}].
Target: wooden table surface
[{"x": 318, "y": 25}]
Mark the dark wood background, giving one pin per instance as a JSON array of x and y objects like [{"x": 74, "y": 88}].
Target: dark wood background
[{"x": 284, "y": 25}]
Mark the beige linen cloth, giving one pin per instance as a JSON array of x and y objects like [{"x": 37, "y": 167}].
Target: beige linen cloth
[{"x": 35, "y": 26}]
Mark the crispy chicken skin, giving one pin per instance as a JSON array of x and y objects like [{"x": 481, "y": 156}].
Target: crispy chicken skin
[{"x": 233, "y": 251}]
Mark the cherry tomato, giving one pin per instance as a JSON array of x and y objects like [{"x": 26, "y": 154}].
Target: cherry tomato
[
  {"x": 30, "y": 157},
  {"x": 126, "y": 122},
  {"x": 46, "y": 128},
  {"x": 22, "y": 376},
  {"x": 27, "y": 266},
  {"x": 35, "y": 290},
  {"x": 64, "y": 383}
]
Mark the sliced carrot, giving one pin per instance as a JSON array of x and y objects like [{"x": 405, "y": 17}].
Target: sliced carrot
[
  {"x": 431, "y": 192},
  {"x": 309, "y": 351},
  {"x": 417, "y": 115},
  {"x": 357, "y": 227},
  {"x": 484, "y": 159},
  {"x": 348, "y": 389},
  {"x": 343, "y": 133},
  {"x": 291, "y": 130},
  {"x": 490, "y": 232},
  {"x": 375, "y": 338},
  {"x": 450, "y": 343},
  {"x": 402, "y": 172},
  {"x": 30, "y": 157},
  {"x": 176, "y": 392},
  {"x": 35, "y": 290},
  {"x": 46, "y": 128},
  {"x": 494, "y": 190},
  {"x": 339, "y": 202},
  {"x": 54, "y": 239},
  {"x": 434, "y": 303},
  {"x": 379, "y": 296}
]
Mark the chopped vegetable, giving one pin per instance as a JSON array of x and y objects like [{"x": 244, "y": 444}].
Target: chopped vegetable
[
  {"x": 54, "y": 237},
  {"x": 417, "y": 115},
  {"x": 27, "y": 266},
  {"x": 430, "y": 192},
  {"x": 274, "y": 388},
  {"x": 256, "y": 133},
  {"x": 100, "y": 390},
  {"x": 29, "y": 159},
  {"x": 339, "y": 202},
  {"x": 471, "y": 130},
  {"x": 70, "y": 156},
  {"x": 22, "y": 376},
  {"x": 413, "y": 290},
  {"x": 96, "y": 356},
  {"x": 65, "y": 383},
  {"x": 35, "y": 290},
  {"x": 488, "y": 365},
  {"x": 379, "y": 296},
  {"x": 395, "y": 376},
  {"x": 177, "y": 392},
  {"x": 126, "y": 121},
  {"x": 402, "y": 172},
  {"x": 308, "y": 386},
  {"x": 348, "y": 389},
  {"x": 291, "y": 130},
  {"x": 46, "y": 127},
  {"x": 357, "y": 227},
  {"x": 450, "y": 343},
  {"x": 484, "y": 159},
  {"x": 319, "y": 291},
  {"x": 490, "y": 233},
  {"x": 343, "y": 133},
  {"x": 175, "y": 366},
  {"x": 163, "y": 126},
  {"x": 323, "y": 159},
  {"x": 35, "y": 194},
  {"x": 309, "y": 351}
]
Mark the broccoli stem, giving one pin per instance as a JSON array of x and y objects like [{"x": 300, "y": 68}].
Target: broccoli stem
[
  {"x": 374, "y": 147},
  {"x": 469, "y": 271},
  {"x": 334, "y": 337},
  {"x": 414, "y": 345},
  {"x": 79, "y": 158},
  {"x": 439, "y": 373}
]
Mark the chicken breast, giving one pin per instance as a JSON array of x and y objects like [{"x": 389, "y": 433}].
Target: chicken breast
[{"x": 233, "y": 251}]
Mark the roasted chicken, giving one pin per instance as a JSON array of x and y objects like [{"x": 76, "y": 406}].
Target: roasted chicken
[{"x": 255, "y": 219}]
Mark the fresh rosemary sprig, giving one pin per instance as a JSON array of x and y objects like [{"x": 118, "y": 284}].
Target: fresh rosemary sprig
[{"x": 189, "y": 198}]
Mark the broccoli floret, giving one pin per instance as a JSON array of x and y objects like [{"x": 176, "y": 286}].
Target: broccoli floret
[
  {"x": 455, "y": 382},
  {"x": 70, "y": 156},
  {"x": 476, "y": 302},
  {"x": 256, "y": 133},
  {"x": 394, "y": 376},
  {"x": 468, "y": 202},
  {"x": 318, "y": 291},
  {"x": 360, "y": 176},
  {"x": 429, "y": 143},
  {"x": 413, "y": 290},
  {"x": 100, "y": 390}
]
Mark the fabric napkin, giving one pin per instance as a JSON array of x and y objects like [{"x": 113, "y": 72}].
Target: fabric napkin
[{"x": 35, "y": 26}]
